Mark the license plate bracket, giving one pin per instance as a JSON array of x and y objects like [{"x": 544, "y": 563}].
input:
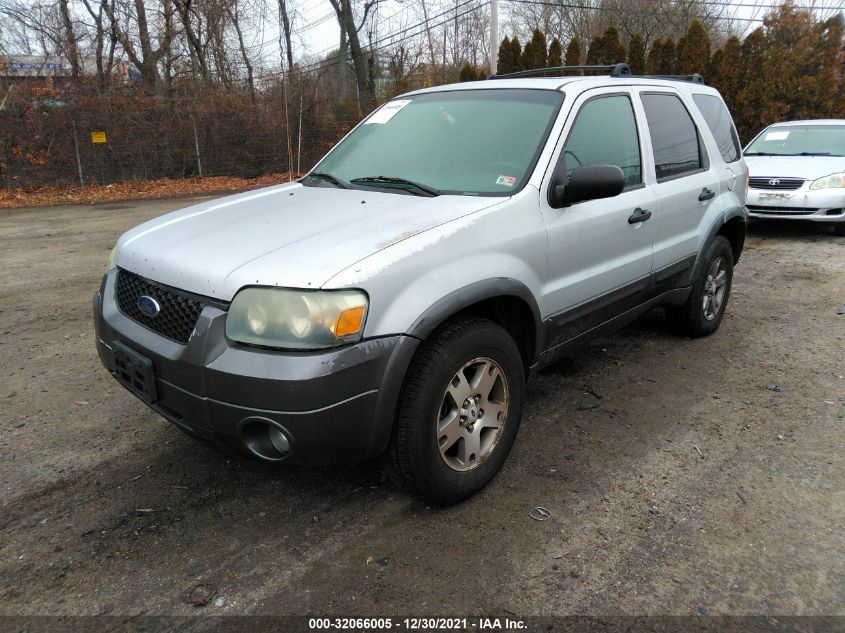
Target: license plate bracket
[{"x": 135, "y": 372}]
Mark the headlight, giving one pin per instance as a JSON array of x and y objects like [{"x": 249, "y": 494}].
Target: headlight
[
  {"x": 296, "y": 319},
  {"x": 110, "y": 260},
  {"x": 834, "y": 181}
]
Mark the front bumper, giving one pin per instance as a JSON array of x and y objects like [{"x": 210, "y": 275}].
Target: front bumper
[
  {"x": 824, "y": 205},
  {"x": 333, "y": 406}
]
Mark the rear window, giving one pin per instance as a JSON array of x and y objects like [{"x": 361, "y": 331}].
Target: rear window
[
  {"x": 719, "y": 121},
  {"x": 674, "y": 137}
]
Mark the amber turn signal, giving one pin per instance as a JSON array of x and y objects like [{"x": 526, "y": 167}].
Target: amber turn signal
[{"x": 349, "y": 321}]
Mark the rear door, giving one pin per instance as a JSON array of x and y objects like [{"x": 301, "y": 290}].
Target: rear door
[
  {"x": 685, "y": 183},
  {"x": 599, "y": 259}
]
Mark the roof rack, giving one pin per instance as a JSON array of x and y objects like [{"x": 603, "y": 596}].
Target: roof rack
[
  {"x": 694, "y": 78},
  {"x": 613, "y": 70}
]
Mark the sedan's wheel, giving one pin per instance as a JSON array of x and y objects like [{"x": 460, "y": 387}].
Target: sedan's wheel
[
  {"x": 839, "y": 228},
  {"x": 470, "y": 420},
  {"x": 711, "y": 287},
  {"x": 459, "y": 411}
]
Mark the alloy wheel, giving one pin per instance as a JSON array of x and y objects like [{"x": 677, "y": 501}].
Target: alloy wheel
[
  {"x": 715, "y": 287},
  {"x": 472, "y": 414}
]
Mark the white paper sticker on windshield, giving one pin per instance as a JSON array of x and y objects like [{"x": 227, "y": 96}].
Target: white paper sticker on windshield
[
  {"x": 507, "y": 181},
  {"x": 388, "y": 111},
  {"x": 776, "y": 136}
]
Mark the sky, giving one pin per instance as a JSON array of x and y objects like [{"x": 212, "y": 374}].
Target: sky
[{"x": 316, "y": 32}]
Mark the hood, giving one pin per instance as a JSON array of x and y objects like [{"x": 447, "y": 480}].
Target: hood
[
  {"x": 806, "y": 167},
  {"x": 289, "y": 235}
]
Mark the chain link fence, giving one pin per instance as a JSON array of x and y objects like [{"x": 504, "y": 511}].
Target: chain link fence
[{"x": 82, "y": 136}]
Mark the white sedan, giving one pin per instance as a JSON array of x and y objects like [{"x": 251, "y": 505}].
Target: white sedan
[{"x": 797, "y": 172}]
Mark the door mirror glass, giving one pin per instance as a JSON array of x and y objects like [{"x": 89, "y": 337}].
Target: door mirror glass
[{"x": 589, "y": 183}]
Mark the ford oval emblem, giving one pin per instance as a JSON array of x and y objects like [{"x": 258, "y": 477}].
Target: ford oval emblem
[{"x": 148, "y": 306}]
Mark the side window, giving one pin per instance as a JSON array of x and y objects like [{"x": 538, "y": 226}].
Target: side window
[
  {"x": 605, "y": 133},
  {"x": 719, "y": 121},
  {"x": 674, "y": 137}
]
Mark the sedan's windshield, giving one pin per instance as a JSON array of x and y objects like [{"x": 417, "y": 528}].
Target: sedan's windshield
[
  {"x": 476, "y": 142},
  {"x": 800, "y": 140}
]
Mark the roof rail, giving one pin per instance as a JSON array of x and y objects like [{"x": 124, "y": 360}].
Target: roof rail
[
  {"x": 694, "y": 78},
  {"x": 614, "y": 70}
]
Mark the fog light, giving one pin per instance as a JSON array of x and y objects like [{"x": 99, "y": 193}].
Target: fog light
[{"x": 278, "y": 439}]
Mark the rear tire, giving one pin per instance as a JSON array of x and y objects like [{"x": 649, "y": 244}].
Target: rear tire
[
  {"x": 703, "y": 311},
  {"x": 459, "y": 411}
]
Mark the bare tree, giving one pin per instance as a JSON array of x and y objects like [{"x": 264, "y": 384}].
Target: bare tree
[{"x": 350, "y": 32}]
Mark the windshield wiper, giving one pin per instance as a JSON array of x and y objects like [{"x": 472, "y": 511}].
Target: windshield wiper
[
  {"x": 421, "y": 189},
  {"x": 337, "y": 182},
  {"x": 814, "y": 154},
  {"x": 763, "y": 154}
]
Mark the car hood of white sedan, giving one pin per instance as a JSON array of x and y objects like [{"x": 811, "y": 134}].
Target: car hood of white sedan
[
  {"x": 806, "y": 167},
  {"x": 290, "y": 235}
]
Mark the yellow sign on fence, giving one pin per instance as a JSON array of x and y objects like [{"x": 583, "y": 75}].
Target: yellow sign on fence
[{"x": 98, "y": 137}]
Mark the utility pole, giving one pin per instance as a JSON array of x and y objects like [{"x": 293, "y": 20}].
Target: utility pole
[{"x": 494, "y": 34}]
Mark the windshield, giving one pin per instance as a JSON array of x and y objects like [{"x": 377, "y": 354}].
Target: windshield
[
  {"x": 800, "y": 140},
  {"x": 474, "y": 142}
]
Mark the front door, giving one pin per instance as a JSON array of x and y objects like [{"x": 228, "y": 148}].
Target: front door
[{"x": 600, "y": 251}]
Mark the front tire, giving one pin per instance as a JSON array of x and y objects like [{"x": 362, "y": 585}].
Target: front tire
[
  {"x": 839, "y": 228},
  {"x": 459, "y": 411},
  {"x": 703, "y": 311}
]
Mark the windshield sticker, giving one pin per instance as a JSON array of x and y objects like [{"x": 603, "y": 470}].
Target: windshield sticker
[
  {"x": 507, "y": 181},
  {"x": 388, "y": 111},
  {"x": 776, "y": 136}
]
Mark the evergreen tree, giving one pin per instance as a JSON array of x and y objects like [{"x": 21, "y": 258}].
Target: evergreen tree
[
  {"x": 655, "y": 56},
  {"x": 573, "y": 53},
  {"x": 538, "y": 49},
  {"x": 595, "y": 52},
  {"x": 555, "y": 57},
  {"x": 756, "y": 107},
  {"x": 526, "y": 60},
  {"x": 795, "y": 47},
  {"x": 516, "y": 54},
  {"x": 469, "y": 73},
  {"x": 668, "y": 60},
  {"x": 612, "y": 50},
  {"x": 504, "y": 61},
  {"x": 693, "y": 50},
  {"x": 713, "y": 67},
  {"x": 636, "y": 55},
  {"x": 723, "y": 71},
  {"x": 831, "y": 81}
]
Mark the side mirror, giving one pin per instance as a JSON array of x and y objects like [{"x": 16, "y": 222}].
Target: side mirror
[{"x": 590, "y": 182}]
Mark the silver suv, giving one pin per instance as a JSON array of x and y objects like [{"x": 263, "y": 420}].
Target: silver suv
[{"x": 395, "y": 300}]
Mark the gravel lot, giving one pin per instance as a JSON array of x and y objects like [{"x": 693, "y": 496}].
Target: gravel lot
[{"x": 678, "y": 482}]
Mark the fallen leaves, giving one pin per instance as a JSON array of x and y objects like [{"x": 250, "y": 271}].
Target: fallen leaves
[{"x": 137, "y": 190}]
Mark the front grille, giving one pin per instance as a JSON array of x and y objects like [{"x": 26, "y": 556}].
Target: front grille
[
  {"x": 179, "y": 310},
  {"x": 783, "y": 210},
  {"x": 774, "y": 183}
]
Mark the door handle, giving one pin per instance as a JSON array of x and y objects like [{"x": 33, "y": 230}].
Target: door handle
[
  {"x": 639, "y": 215},
  {"x": 706, "y": 194}
]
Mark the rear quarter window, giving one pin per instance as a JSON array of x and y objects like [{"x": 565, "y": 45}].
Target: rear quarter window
[{"x": 721, "y": 125}]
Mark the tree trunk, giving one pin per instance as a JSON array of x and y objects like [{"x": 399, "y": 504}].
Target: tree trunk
[
  {"x": 283, "y": 13},
  {"x": 70, "y": 37}
]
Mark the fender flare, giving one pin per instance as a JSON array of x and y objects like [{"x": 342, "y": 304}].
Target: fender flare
[
  {"x": 457, "y": 300},
  {"x": 730, "y": 214}
]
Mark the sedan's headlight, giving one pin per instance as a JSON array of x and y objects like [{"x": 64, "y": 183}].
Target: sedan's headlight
[
  {"x": 110, "y": 260},
  {"x": 834, "y": 181},
  {"x": 296, "y": 319}
]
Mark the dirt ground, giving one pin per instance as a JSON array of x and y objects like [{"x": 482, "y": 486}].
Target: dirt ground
[{"x": 677, "y": 481}]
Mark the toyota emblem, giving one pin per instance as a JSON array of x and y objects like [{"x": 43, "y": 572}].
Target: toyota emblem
[{"x": 774, "y": 182}]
